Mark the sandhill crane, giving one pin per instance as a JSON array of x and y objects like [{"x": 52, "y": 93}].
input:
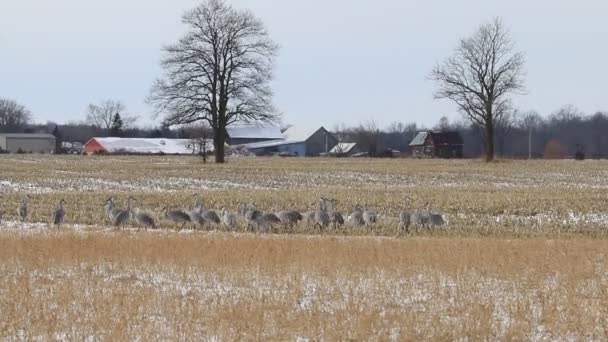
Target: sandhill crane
[
  {"x": 434, "y": 218},
  {"x": 321, "y": 215},
  {"x": 176, "y": 216},
  {"x": 335, "y": 218},
  {"x": 196, "y": 218},
  {"x": 356, "y": 217},
  {"x": 267, "y": 221},
  {"x": 122, "y": 216},
  {"x": 289, "y": 218},
  {"x": 309, "y": 217},
  {"x": 229, "y": 219},
  {"x": 405, "y": 216},
  {"x": 111, "y": 210},
  {"x": 210, "y": 216},
  {"x": 59, "y": 214},
  {"x": 23, "y": 210},
  {"x": 369, "y": 216},
  {"x": 253, "y": 216},
  {"x": 143, "y": 219}
]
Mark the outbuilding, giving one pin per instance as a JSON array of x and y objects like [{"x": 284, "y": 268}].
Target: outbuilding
[
  {"x": 437, "y": 145},
  {"x": 27, "y": 143},
  {"x": 344, "y": 149},
  {"x": 144, "y": 146},
  {"x": 297, "y": 142}
]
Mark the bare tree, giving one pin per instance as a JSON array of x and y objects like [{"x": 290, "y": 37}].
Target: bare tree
[
  {"x": 218, "y": 73},
  {"x": 13, "y": 116},
  {"x": 529, "y": 122},
  {"x": 480, "y": 76},
  {"x": 102, "y": 115},
  {"x": 201, "y": 135}
]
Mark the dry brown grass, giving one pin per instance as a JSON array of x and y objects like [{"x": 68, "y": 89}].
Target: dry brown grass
[
  {"x": 240, "y": 287},
  {"x": 523, "y": 256}
]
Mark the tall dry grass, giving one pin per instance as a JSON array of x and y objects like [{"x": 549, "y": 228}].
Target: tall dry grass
[{"x": 77, "y": 286}]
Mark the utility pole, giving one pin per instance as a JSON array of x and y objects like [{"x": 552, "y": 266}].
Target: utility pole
[{"x": 530, "y": 143}]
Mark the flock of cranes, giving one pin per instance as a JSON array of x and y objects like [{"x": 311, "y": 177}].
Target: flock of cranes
[{"x": 325, "y": 216}]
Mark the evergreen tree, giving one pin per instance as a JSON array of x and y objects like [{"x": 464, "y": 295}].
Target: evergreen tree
[
  {"x": 117, "y": 126},
  {"x": 58, "y": 140}
]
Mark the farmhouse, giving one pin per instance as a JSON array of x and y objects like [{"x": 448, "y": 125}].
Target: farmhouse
[
  {"x": 34, "y": 143},
  {"x": 297, "y": 142},
  {"x": 144, "y": 146},
  {"x": 437, "y": 145},
  {"x": 345, "y": 149},
  {"x": 239, "y": 135}
]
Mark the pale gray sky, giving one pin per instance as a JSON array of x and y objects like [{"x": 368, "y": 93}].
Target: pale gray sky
[{"x": 341, "y": 60}]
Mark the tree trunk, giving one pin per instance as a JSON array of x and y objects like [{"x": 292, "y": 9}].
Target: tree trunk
[
  {"x": 489, "y": 140},
  {"x": 219, "y": 141}
]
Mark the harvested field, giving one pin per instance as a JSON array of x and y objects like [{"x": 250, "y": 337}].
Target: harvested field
[{"x": 523, "y": 256}]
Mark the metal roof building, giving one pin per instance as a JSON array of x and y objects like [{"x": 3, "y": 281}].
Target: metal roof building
[
  {"x": 27, "y": 143},
  {"x": 144, "y": 146},
  {"x": 241, "y": 134},
  {"x": 298, "y": 142}
]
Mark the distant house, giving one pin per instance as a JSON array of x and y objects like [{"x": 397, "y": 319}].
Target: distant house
[
  {"x": 26, "y": 142},
  {"x": 143, "y": 146},
  {"x": 345, "y": 149},
  {"x": 239, "y": 135},
  {"x": 297, "y": 142},
  {"x": 437, "y": 145}
]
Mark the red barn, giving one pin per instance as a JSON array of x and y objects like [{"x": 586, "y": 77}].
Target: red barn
[{"x": 93, "y": 146}]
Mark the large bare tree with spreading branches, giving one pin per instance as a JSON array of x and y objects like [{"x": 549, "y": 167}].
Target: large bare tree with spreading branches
[
  {"x": 218, "y": 73},
  {"x": 481, "y": 75}
]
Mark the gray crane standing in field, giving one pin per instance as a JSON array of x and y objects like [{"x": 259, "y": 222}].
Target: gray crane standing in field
[
  {"x": 59, "y": 214},
  {"x": 335, "y": 218},
  {"x": 252, "y": 215},
  {"x": 176, "y": 216},
  {"x": 267, "y": 221},
  {"x": 434, "y": 218},
  {"x": 369, "y": 216},
  {"x": 122, "y": 216},
  {"x": 425, "y": 217},
  {"x": 210, "y": 216},
  {"x": 229, "y": 219},
  {"x": 289, "y": 218},
  {"x": 309, "y": 217},
  {"x": 356, "y": 217},
  {"x": 405, "y": 216},
  {"x": 23, "y": 210},
  {"x": 321, "y": 215},
  {"x": 143, "y": 219}
]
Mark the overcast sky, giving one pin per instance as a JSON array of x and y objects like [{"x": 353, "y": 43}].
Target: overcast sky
[{"x": 341, "y": 60}]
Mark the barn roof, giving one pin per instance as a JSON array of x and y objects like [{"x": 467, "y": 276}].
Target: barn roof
[
  {"x": 419, "y": 139},
  {"x": 254, "y": 132},
  {"x": 343, "y": 148},
  {"x": 291, "y": 136},
  {"x": 439, "y": 138},
  {"x": 144, "y": 145}
]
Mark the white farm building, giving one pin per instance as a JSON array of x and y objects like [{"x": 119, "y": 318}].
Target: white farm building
[{"x": 145, "y": 146}]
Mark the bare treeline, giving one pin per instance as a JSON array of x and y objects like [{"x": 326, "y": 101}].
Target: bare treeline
[{"x": 517, "y": 135}]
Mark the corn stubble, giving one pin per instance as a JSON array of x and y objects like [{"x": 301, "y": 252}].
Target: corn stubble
[{"x": 523, "y": 255}]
